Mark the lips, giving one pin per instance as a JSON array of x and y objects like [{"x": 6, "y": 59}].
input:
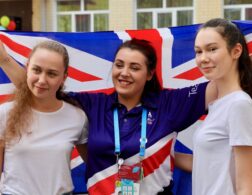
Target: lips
[
  {"x": 124, "y": 82},
  {"x": 41, "y": 88},
  {"x": 207, "y": 69}
]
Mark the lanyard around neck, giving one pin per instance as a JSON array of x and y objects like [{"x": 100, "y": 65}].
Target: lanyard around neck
[{"x": 143, "y": 139}]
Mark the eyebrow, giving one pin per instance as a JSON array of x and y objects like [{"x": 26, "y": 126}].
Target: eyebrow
[
  {"x": 51, "y": 70},
  {"x": 209, "y": 44},
  {"x": 119, "y": 60},
  {"x": 135, "y": 63},
  {"x": 131, "y": 63}
]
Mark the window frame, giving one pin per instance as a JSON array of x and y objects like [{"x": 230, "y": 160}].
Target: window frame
[
  {"x": 79, "y": 12},
  {"x": 242, "y": 8},
  {"x": 164, "y": 9}
]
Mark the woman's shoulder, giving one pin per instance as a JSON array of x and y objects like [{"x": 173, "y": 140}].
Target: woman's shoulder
[
  {"x": 239, "y": 101},
  {"x": 86, "y": 93},
  {"x": 87, "y": 96},
  {"x": 73, "y": 110},
  {"x": 5, "y": 108},
  {"x": 239, "y": 97}
]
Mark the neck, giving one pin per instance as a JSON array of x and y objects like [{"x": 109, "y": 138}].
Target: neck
[
  {"x": 228, "y": 85},
  {"x": 46, "y": 105},
  {"x": 129, "y": 103}
]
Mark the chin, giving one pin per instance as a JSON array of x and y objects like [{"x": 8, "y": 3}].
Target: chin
[
  {"x": 124, "y": 95},
  {"x": 207, "y": 76},
  {"x": 210, "y": 78},
  {"x": 122, "y": 90}
]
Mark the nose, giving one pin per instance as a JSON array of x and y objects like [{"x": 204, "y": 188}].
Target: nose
[
  {"x": 42, "y": 78},
  {"x": 204, "y": 57},
  {"x": 125, "y": 71}
]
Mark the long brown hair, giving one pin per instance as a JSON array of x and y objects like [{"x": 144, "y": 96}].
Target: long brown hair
[{"x": 20, "y": 116}]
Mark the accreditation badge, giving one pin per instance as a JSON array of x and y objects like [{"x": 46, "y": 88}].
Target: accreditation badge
[
  {"x": 128, "y": 179},
  {"x": 127, "y": 187}
]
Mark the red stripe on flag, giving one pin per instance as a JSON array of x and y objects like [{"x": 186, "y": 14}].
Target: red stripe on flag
[
  {"x": 4, "y": 98},
  {"x": 202, "y": 117},
  {"x": 150, "y": 164},
  {"x": 25, "y": 51},
  {"x": 75, "y": 153},
  {"x": 106, "y": 91},
  {"x": 81, "y": 76},
  {"x": 153, "y": 162},
  {"x": 250, "y": 47},
  {"x": 154, "y": 37},
  {"x": 192, "y": 74},
  {"x": 103, "y": 187}
]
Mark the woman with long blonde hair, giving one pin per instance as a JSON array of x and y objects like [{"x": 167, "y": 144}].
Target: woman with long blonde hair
[{"x": 38, "y": 129}]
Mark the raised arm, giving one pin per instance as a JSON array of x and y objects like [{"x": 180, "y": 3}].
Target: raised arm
[{"x": 11, "y": 68}]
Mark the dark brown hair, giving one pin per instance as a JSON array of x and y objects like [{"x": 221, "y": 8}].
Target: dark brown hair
[{"x": 149, "y": 52}]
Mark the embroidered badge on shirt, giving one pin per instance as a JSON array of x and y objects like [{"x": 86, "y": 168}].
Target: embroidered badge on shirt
[
  {"x": 193, "y": 90},
  {"x": 150, "y": 119}
]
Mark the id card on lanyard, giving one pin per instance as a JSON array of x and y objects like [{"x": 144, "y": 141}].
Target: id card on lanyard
[{"x": 129, "y": 176}]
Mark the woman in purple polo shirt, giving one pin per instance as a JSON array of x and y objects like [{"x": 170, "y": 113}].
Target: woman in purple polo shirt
[{"x": 132, "y": 131}]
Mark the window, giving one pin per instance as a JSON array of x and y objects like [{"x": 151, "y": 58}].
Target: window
[
  {"x": 238, "y": 9},
  {"x": 144, "y": 20},
  {"x": 232, "y": 14},
  {"x": 163, "y": 13},
  {"x": 82, "y": 15},
  {"x": 184, "y": 17},
  {"x": 64, "y": 23},
  {"x": 164, "y": 19},
  {"x": 248, "y": 13},
  {"x": 149, "y": 4},
  {"x": 178, "y": 3},
  {"x": 235, "y": 2}
]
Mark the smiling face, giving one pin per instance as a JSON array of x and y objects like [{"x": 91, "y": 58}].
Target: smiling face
[
  {"x": 213, "y": 58},
  {"x": 129, "y": 74},
  {"x": 45, "y": 74}
]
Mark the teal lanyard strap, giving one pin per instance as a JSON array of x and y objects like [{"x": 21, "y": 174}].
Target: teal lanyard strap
[
  {"x": 116, "y": 132},
  {"x": 143, "y": 139}
]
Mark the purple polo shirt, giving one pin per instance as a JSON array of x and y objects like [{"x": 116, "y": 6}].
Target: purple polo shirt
[{"x": 168, "y": 111}]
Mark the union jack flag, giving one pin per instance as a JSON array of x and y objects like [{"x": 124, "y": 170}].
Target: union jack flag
[{"x": 91, "y": 57}]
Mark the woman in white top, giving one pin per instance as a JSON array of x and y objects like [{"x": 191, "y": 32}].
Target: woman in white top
[
  {"x": 39, "y": 130},
  {"x": 222, "y": 160}
]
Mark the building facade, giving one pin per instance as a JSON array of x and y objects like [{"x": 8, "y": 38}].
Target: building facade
[{"x": 102, "y": 15}]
